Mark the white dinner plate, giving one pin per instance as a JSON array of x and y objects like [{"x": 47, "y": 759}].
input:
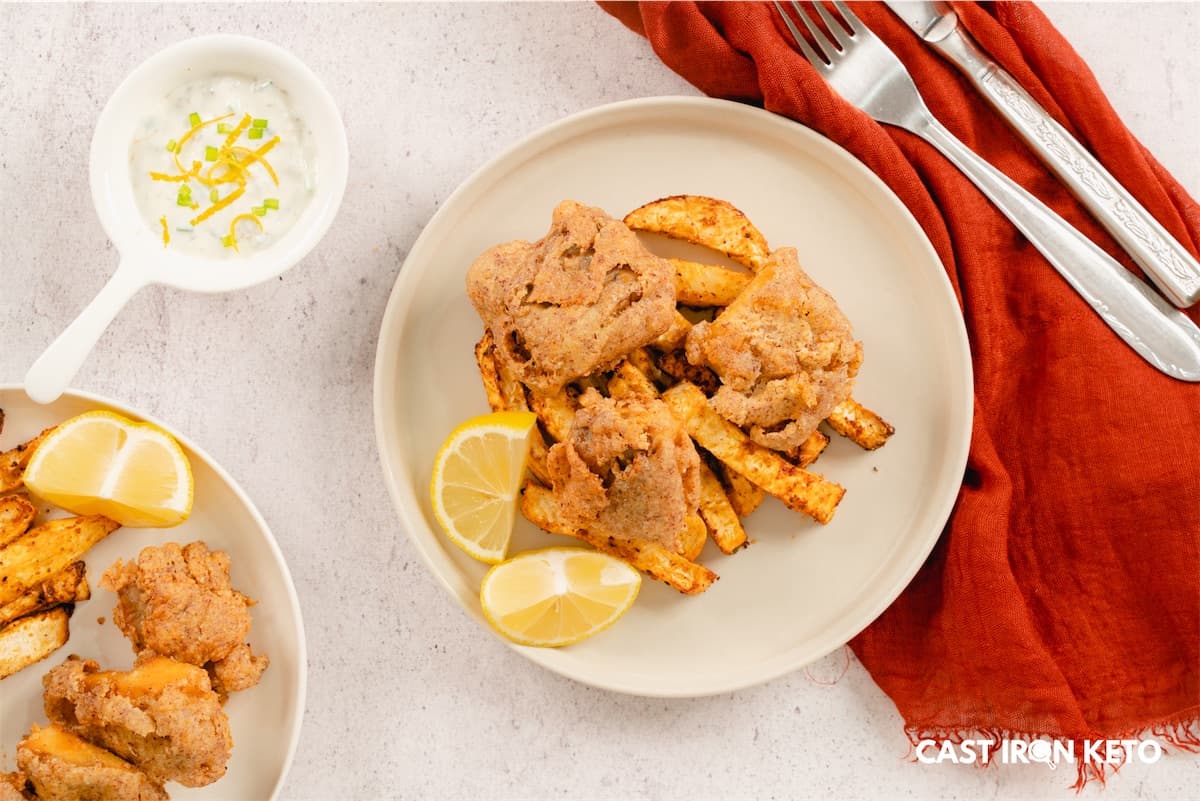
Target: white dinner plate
[
  {"x": 265, "y": 720},
  {"x": 800, "y": 589}
]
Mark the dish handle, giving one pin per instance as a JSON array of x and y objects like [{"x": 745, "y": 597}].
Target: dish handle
[{"x": 53, "y": 371}]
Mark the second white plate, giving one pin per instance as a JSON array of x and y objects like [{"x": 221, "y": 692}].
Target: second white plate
[
  {"x": 265, "y": 720},
  {"x": 801, "y": 589}
]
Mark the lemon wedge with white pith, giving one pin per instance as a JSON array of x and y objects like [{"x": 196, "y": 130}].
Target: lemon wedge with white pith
[
  {"x": 557, "y": 596},
  {"x": 104, "y": 464},
  {"x": 476, "y": 480}
]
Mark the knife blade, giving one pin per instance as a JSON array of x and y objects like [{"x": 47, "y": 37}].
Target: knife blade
[{"x": 1166, "y": 262}]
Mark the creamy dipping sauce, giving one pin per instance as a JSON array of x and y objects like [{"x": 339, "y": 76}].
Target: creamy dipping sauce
[{"x": 222, "y": 167}]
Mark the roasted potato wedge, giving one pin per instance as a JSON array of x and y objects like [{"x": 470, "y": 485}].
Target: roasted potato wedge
[
  {"x": 694, "y": 537},
  {"x": 46, "y": 550},
  {"x": 628, "y": 381},
  {"x": 797, "y": 488},
  {"x": 706, "y": 221},
  {"x": 14, "y": 462},
  {"x": 673, "y": 338},
  {"x": 32, "y": 638},
  {"x": 540, "y": 507},
  {"x": 16, "y": 516},
  {"x": 718, "y": 514},
  {"x": 744, "y": 495},
  {"x": 859, "y": 424},
  {"x": 808, "y": 451},
  {"x": 65, "y": 587},
  {"x": 706, "y": 285}
]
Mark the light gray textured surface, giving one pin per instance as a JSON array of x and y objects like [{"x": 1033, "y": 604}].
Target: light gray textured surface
[{"x": 408, "y": 698}]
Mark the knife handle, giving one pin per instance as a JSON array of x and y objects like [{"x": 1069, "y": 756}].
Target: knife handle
[{"x": 1163, "y": 259}]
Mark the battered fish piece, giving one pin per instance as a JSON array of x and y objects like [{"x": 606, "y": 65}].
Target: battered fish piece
[
  {"x": 628, "y": 471},
  {"x": 179, "y": 602},
  {"x": 13, "y": 787},
  {"x": 63, "y": 767},
  {"x": 784, "y": 352},
  {"x": 576, "y": 301},
  {"x": 162, "y": 716}
]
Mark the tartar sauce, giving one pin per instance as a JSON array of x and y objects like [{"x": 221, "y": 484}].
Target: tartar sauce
[{"x": 222, "y": 167}]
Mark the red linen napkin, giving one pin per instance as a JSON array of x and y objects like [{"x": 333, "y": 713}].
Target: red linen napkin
[{"x": 1063, "y": 599}]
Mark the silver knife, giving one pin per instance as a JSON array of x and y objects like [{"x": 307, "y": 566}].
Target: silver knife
[{"x": 1162, "y": 258}]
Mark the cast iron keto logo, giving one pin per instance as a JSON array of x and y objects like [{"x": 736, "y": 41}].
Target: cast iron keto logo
[{"x": 1049, "y": 752}]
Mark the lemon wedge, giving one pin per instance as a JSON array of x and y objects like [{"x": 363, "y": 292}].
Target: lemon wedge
[
  {"x": 104, "y": 464},
  {"x": 557, "y": 596},
  {"x": 476, "y": 479}
]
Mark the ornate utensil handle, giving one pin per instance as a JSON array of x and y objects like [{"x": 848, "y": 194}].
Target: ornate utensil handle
[{"x": 1163, "y": 259}]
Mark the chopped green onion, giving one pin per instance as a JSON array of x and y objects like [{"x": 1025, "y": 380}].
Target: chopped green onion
[
  {"x": 228, "y": 241},
  {"x": 214, "y": 195},
  {"x": 193, "y": 119},
  {"x": 258, "y": 123},
  {"x": 210, "y": 153},
  {"x": 171, "y": 146},
  {"x": 184, "y": 229},
  {"x": 183, "y": 201},
  {"x": 224, "y": 128},
  {"x": 254, "y": 133},
  {"x": 259, "y": 211},
  {"x": 271, "y": 203}
]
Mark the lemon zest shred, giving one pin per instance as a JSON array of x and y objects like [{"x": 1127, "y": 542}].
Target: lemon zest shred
[
  {"x": 189, "y": 134},
  {"x": 233, "y": 226},
  {"x": 237, "y": 131},
  {"x": 220, "y": 204},
  {"x": 166, "y": 232}
]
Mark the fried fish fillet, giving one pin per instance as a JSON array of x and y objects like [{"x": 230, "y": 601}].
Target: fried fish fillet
[
  {"x": 179, "y": 602},
  {"x": 63, "y": 767},
  {"x": 163, "y": 716},
  {"x": 576, "y": 301},
  {"x": 15, "y": 787},
  {"x": 627, "y": 470},
  {"x": 784, "y": 352}
]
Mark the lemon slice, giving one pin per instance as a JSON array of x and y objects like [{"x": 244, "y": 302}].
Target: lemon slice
[
  {"x": 557, "y": 596},
  {"x": 105, "y": 464},
  {"x": 476, "y": 479}
]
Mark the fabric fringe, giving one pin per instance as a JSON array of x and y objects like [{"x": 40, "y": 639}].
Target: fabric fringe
[{"x": 1180, "y": 732}]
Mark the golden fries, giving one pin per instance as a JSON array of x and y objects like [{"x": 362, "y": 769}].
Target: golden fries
[
  {"x": 736, "y": 472},
  {"x": 705, "y": 221},
  {"x": 673, "y": 338},
  {"x": 43, "y": 551},
  {"x": 540, "y": 507},
  {"x": 694, "y": 537},
  {"x": 797, "y": 488},
  {"x": 67, "y": 586},
  {"x": 16, "y": 515},
  {"x": 859, "y": 424},
  {"x": 706, "y": 284},
  {"x": 32, "y": 639},
  {"x": 809, "y": 450},
  {"x": 744, "y": 495},
  {"x": 14, "y": 462},
  {"x": 718, "y": 514}
]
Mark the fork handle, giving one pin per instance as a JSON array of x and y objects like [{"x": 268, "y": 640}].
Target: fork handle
[
  {"x": 1158, "y": 253},
  {"x": 1159, "y": 332}
]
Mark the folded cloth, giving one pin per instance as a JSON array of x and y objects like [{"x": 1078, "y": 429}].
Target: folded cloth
[{"x": 1063, "y": 598}]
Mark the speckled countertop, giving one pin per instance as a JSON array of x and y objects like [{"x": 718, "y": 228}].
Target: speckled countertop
[{"x": 408, "y": 698}]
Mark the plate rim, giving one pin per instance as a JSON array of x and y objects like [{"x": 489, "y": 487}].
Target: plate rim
[
  {"x": 300, "y": 701},
  {"x": 402, "y": 296}
]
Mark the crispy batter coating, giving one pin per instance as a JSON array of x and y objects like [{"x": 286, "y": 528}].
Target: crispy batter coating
[
  {"x": 574, "y": 302},
  {"x": 179, "y": 602},
  {"x": 628, "y": 470},
  {"x": 239, "y": 670},
  {"x": 63, "y": 767},
  {"x": 784, "y": 352},
  {"x": 13, "y": 786},
  {"x": 162, "y": 716}
]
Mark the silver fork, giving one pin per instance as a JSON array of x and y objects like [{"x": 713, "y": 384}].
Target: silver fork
[{"x": 863, "y": 70}]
